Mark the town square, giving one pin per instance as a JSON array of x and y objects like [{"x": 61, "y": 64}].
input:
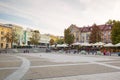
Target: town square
[{"x": 59, "y": 39}]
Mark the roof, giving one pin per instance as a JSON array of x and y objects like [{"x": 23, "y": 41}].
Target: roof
[
  {"x": 2, "y": 25},
  {"x": 103, "y": 27},
  {"x": 86, "y": 29}
]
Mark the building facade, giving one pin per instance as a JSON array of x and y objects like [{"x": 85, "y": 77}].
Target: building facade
[
  {"x": 27, "y": 36},
  {"x": 18, "y": 31},
  {"x": 82, "y": 34},
  {"x": 3, "y": 31},
  {"x": 29, "y": 33},
  {"x": 85, "y": 34},
  {"x": 106, "y": 33},
  {"x": 76, "y": 32},
  {"x": 44, "y": 40}
]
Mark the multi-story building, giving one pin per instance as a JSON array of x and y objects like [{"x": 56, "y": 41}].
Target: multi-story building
[
  {"x": 106, "y": 33},
  {"x": 85, "y": 34},
  {"x": 44, "y": 40},
  {"x": 76, "y": 32},
  {"x": 82, "y": 34},
  {"x": 28, "y": 33},
  {"x": 27, "y": 36},
  {"x": 55, "y": 38},
  {"x": 3, "y": 31},
  {"x": 19, "y": 31}
]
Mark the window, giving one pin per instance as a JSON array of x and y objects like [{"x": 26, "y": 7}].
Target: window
[
  {"x": 2, "y": 38},
  {"x": 83, "y": 38},
  {"x": 1, "y": 45},
  {"x": 87, "y": 36},
  {"x": 77, "y": 39},
  {"x": 105, "y": 34},
  {"x": 77, "y": 34},
  {"x": 91, "y": 29},
  {"x": 109, "y": 33},
  {"x": 2, "y": 32},
  {"x": 7, "y": 46}
]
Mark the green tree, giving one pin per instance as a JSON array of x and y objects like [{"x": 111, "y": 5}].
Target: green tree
[
  {"x": 8, "y": 38},
  {"x": 115, "y": 34},
  {"x": 68, "y": 37},
  {"x": 95, "y": 35},
  {"x": 110, "y": 22},
  {"x": 51, "y": 42},
  {"x": 60, "y": 41},
  {"x": 35, "y": 38},
  {"x": 11, "y": 37}
]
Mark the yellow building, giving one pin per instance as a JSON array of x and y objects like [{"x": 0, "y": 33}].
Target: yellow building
[
  {"x": 55, "y": 38},
  {"x": 19, "y": 32},
  {"x": 3, "y": 31}
]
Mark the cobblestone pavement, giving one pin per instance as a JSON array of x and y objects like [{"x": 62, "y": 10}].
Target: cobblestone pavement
[{"x": 52, "y": 66}]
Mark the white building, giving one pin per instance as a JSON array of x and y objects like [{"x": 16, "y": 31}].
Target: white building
[
  {"x": 19, "y": 31},
  {"x": 44, "y": 40}
]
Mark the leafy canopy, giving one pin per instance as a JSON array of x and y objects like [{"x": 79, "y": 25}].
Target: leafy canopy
[
  {"x": 35, "y": 37},
  {"x": 95, "y": 35},
  {"x": 115, "y": 34},
  {"x": 68, "y": 37}
]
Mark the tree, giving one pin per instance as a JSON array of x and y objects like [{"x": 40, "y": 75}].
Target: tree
[
  {"x": 8, "y": 38},
  {"x": 68, "y": 37},
  {"x": 60, "y": 41},
  {"x": 35, "y": 37},
  {"x": 11, "y": 37},
  {"x": 51, "y": 41},
  {"x": 95, "y": 35},
  {"x": 115, "y": 34},
  {"x": 15, "y": 37},
  {"x": 110, "y": 22}
]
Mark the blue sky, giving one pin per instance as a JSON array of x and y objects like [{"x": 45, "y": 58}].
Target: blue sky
[{"x": 53, "y": 16}]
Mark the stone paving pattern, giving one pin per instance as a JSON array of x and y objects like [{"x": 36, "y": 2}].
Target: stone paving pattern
[{"x": 45, "y": 69}]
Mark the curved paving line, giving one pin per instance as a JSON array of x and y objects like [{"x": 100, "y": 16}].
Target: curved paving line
[{"x": 18, "y": 74}]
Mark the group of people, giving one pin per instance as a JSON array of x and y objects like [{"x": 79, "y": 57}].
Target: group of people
[
  {"x": 106, "y": 52},
  {"x": 93, "y": 51},
  {"x": 26, "y": 51}
]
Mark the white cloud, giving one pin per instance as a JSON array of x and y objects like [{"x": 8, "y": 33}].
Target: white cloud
[{"x": 53, "y": 16}]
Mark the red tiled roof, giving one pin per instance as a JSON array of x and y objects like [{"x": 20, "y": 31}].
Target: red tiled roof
[
  {"x": 85, "y": 29},
  {"x": 103, "y": 27}
]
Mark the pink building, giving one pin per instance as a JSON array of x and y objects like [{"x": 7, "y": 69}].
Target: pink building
[{"x": 82, "y": 34}]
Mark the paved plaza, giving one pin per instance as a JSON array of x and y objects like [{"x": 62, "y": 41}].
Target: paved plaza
[{"x": 58, "y": 66}]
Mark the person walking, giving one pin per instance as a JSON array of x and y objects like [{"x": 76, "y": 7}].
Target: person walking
[{"x": 104, "y": 52}]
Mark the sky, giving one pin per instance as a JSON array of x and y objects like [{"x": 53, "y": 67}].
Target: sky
[{"x": 53, "y": 16}]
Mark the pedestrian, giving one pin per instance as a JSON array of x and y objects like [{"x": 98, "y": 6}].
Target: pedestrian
[
  {"x": 104, "y": 52},
  {"x": 108, "y": 53},
  {"x": 28, "y": 51}
]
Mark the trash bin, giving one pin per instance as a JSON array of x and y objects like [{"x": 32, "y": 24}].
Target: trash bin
[{"x": 119, "y": 54}]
